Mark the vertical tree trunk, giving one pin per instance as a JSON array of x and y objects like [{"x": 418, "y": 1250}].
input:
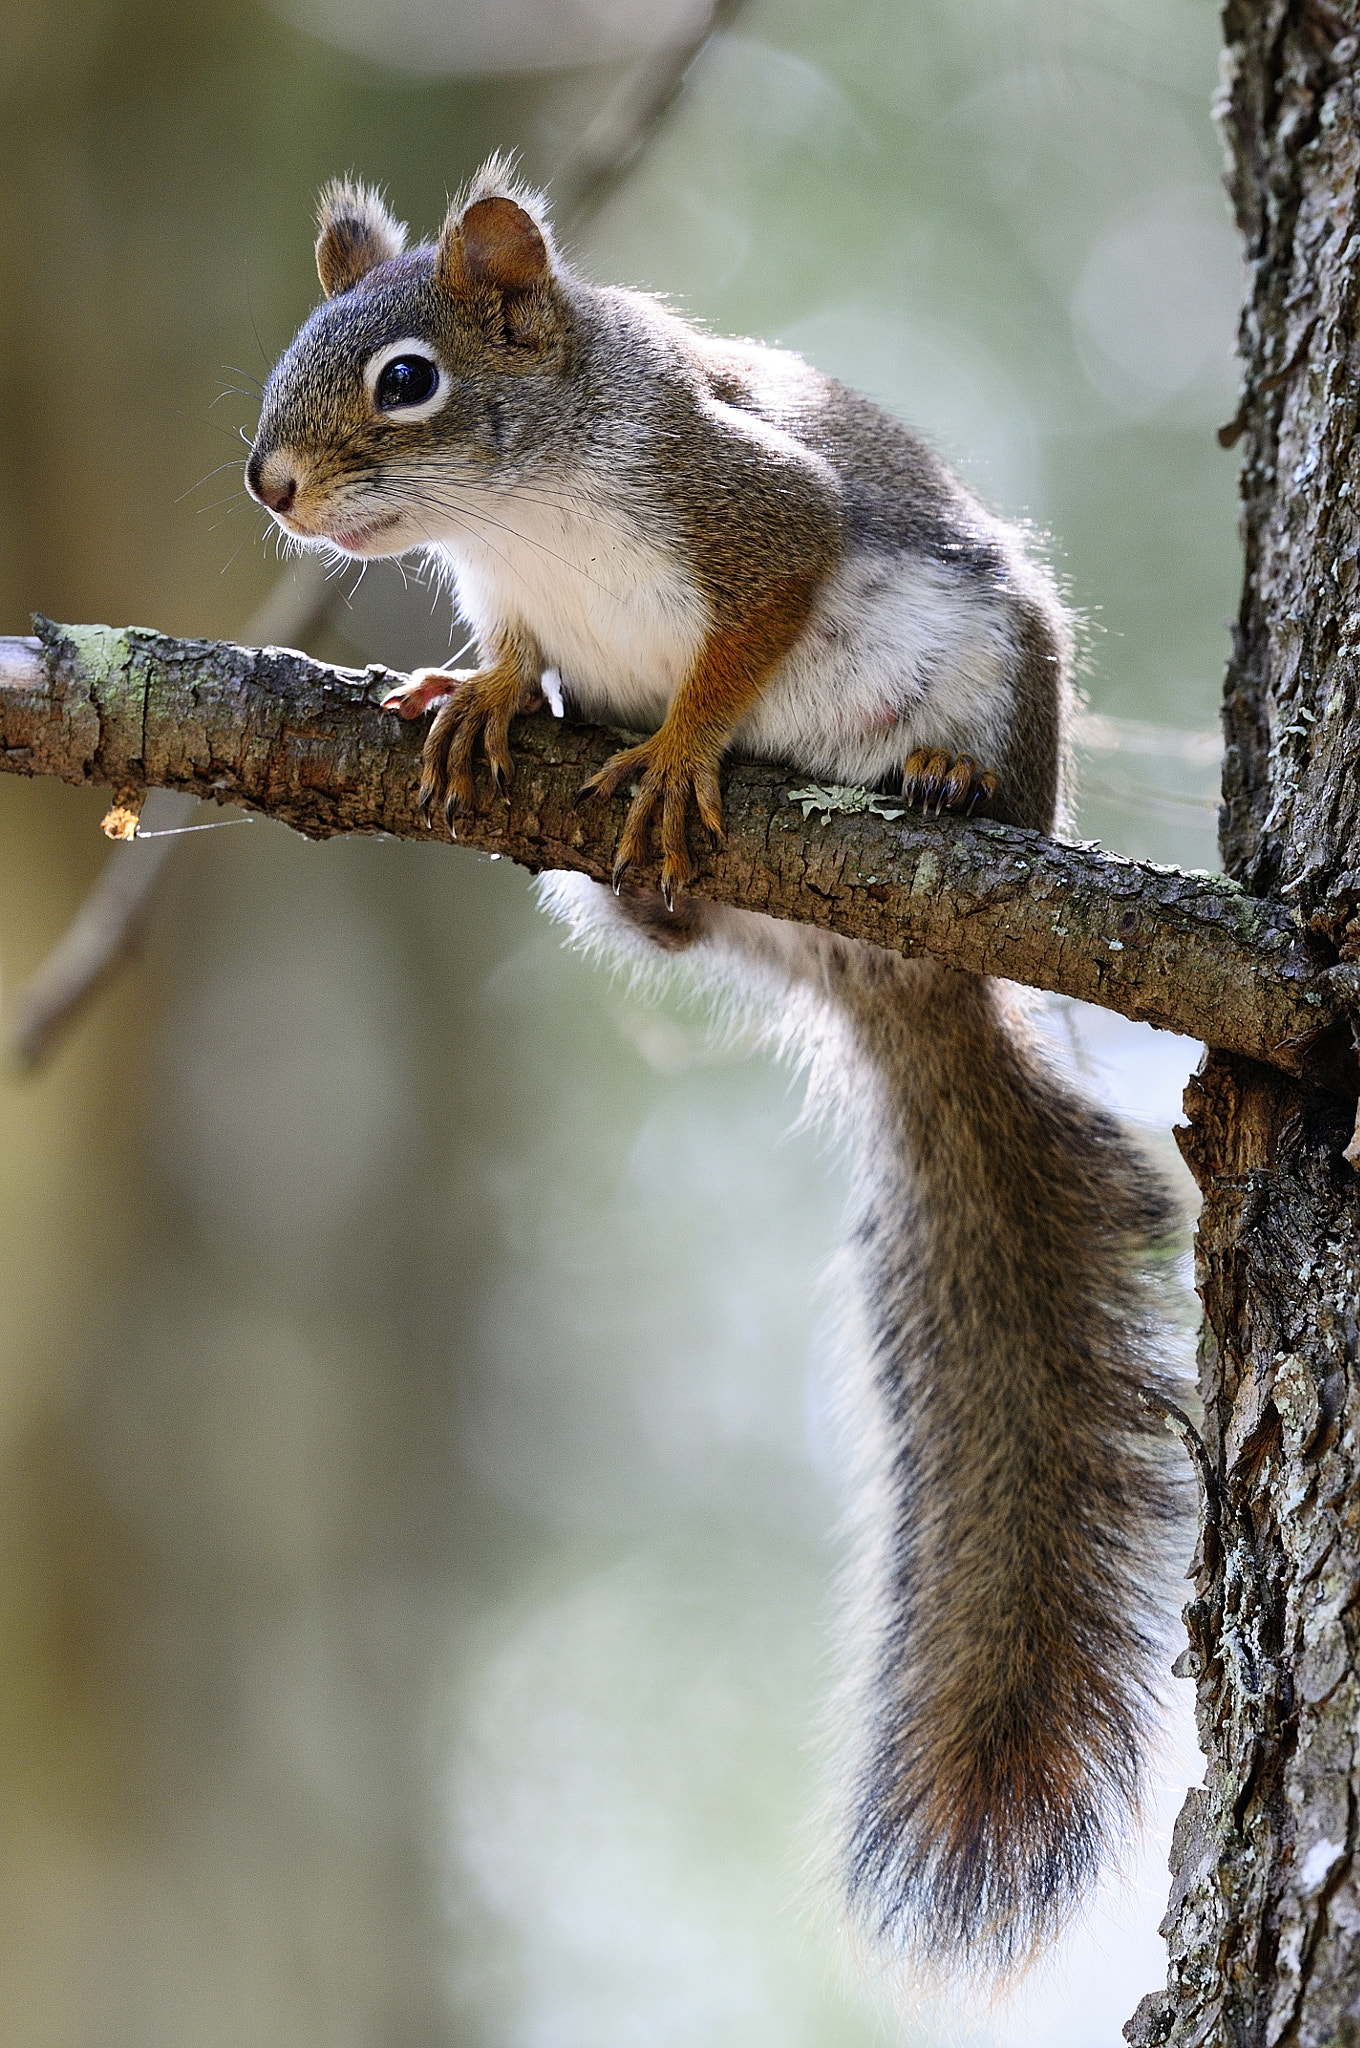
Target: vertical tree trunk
[{"x": 1264, "y": 1920}]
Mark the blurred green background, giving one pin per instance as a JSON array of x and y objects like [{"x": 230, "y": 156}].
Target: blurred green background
[{"x": 421, "y": 1488}]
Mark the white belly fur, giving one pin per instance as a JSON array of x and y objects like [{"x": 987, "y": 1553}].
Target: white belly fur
[
  {"x": 613, "y": 614},
  {"x": 899, "y": 653}
]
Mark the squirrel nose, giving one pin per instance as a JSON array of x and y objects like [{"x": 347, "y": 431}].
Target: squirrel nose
[
  {"x": 279, "y": 497},
  {"x": 271, "y": 481}
]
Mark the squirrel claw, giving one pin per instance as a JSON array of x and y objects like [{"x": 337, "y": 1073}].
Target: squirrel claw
[
  {"x": 624, "y": 856},
  {"x": 934, "y": 781},
  {"x": 669, "y": 787},
  {"x": 477, "y": 713}
]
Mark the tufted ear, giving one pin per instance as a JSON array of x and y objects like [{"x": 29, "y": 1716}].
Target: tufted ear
[
  {"x": 493, "y": 243},
  {"x": 357, "y": 232}
]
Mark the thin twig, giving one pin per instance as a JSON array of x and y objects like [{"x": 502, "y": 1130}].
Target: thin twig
[
  {"x": 1180, "y": 1425},
  {"x": 630, "y": 121},
  {"x": 107, "y": 928}
]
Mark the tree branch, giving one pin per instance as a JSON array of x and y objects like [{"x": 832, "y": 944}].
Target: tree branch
[
  {"x": 307, "y": 744},
  {"x": 108, "y": 925}
]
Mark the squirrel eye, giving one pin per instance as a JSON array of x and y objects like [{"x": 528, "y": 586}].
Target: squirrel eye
[{"x": 406, "y": 380}]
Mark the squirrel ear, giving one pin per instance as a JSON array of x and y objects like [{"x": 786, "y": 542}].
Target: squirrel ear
[
  {"x": 492, "y": 242},
  {"x": 357, "y": 232}
]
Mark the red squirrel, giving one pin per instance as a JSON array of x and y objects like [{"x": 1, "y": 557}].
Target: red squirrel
[{"x": 712, "y": 542}]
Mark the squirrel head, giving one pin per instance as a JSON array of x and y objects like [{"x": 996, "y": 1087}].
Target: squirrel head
[{"x": 423, "y": 373}]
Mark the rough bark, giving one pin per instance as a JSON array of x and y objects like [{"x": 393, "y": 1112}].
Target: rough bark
[
  {"x": 107, "y": 927},
  {"x": 308, "y": 744},
  {"x": 1265, "y": 1904}
]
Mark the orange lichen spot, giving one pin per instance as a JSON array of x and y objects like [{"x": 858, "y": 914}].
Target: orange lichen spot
[{"x": 120, "y": 820}]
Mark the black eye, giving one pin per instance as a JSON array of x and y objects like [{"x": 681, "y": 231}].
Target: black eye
[{"x": 406, "y": 380}]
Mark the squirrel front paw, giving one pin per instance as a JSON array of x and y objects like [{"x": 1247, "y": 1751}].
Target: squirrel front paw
[
  {"x": 669, "y": 778},
  {"x": 933, "y": 780},
  {"x": 480, "y": 708}
]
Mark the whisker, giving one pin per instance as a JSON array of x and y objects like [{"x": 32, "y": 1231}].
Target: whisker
[
  {"x": 200, "y": 511},
  {"x": 216, "y": 427},
  {"x": 540, "y": 491},
  {"x": 225, "y": 517},
  {"x": 207, "y": 478},
  {"x": 234, "y": 553},
  {"x": 482, "y": 519},
  {"x": 254, "y": 327},
  {"x": 498, "y": 552}
]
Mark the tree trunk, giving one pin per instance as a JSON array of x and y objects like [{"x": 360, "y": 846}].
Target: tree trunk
[{"x": 1265, "y": 1905}]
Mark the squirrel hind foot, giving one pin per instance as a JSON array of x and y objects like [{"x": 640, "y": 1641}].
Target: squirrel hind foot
[{"x": 935, "y": 780}]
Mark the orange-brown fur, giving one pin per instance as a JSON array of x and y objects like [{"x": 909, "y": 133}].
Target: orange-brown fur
[{"x": 681, "y": 760}]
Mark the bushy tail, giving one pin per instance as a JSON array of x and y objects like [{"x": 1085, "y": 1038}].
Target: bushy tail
[
  {"x": 1003, "y": 1243},
  {"x": 1005, "y": 1239}
]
